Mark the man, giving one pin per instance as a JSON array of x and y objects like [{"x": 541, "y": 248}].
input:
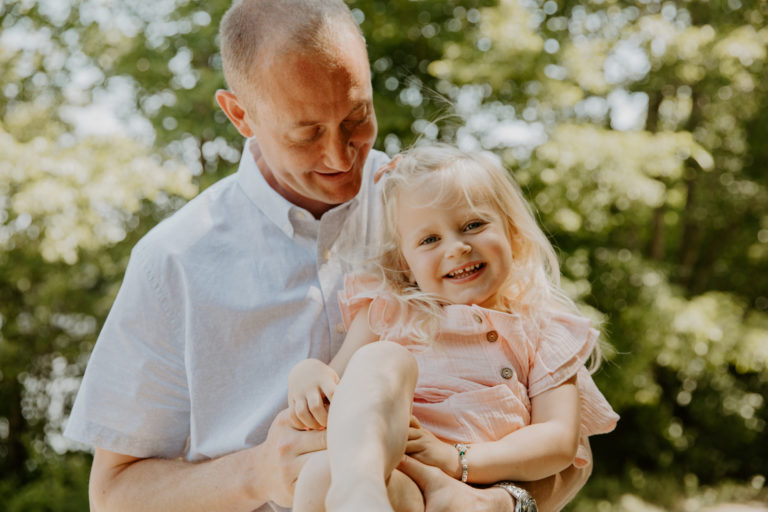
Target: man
[{"x": 184, "y": 394}]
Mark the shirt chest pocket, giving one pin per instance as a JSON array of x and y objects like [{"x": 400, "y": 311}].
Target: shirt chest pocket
[{"x": 480, "y": 415}]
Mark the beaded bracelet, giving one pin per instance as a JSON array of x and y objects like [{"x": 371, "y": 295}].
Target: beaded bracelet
[{"x": 463, "y": 449}]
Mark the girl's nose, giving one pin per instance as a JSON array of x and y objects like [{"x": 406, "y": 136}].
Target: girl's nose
[{"x": 459, "y": 248}]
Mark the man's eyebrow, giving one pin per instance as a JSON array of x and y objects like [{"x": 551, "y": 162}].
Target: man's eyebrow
[{"x": 302, "y": 124}]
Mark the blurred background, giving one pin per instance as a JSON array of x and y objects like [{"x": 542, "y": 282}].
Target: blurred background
[{"x": 638, "y": 129}]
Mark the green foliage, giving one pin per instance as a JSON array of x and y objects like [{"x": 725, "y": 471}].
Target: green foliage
[
  {"x": 59, "y": 487},
  {"x": 70, "y": 210},
  {"x": 661, "y": 218},
  {"x": 661, "y": 222}
]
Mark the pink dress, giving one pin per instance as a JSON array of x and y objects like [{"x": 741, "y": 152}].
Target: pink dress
[{"x": 476, "y": 381}]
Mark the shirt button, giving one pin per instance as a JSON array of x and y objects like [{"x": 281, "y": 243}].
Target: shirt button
[
  {"x": 477, "y": 318},
  {"x": 339, "y": 327},
  {"x": 300, "y": 215},
  {"x": 492, "y": 336},
  {"x": 326, "y": 254},
  {"x": 507, "y": 373}
]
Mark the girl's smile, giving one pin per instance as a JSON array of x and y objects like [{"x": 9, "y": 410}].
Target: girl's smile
[
  {"x": 466, "y": 272},
  {"x": 458, "y": 252}
]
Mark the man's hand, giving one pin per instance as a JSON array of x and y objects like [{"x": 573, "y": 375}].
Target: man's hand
[
  {"x": 445, "y": 494},
  {"x": 311, "y": 385},
  {"x": 425, "y": 447},
  {"x": 286, "y": 451},
  {"x": 241, "y": 480}
]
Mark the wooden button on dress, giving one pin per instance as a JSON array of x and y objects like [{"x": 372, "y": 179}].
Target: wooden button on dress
[
  {"x": 477, "y": 318},
  {"x": 492, "y": 336},
  {"x": 507, "y": 373}
]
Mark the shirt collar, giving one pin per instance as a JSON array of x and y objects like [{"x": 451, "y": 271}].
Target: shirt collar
[{"x": 279, "y": 210}]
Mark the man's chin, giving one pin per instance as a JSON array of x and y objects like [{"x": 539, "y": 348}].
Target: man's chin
[{"x": 343, "y": 191}]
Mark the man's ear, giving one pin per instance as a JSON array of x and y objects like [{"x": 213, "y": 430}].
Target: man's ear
[{"x": 234, "y": 110}]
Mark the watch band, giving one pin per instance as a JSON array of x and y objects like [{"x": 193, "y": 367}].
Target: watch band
[{"x": 524, "y": 502}]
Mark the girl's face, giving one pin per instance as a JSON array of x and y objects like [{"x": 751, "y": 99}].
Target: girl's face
[{"x": 459, "y": 253}]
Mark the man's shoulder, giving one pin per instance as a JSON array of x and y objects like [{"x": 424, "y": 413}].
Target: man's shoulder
[
  {"x": 375, "y": 160},
  {"x": 194, "y": 223}
]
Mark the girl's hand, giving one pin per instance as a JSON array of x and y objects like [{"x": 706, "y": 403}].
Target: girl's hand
[
  {"x": 425, "y": 447},
  {"x": 311, "y": 384}
]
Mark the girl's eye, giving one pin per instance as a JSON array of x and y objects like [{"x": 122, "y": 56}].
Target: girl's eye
[
  {"x": 475, "y": 224},
  {"x": 428, "y": 240}
]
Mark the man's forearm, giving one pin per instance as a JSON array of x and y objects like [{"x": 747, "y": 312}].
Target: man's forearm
[
  {"x": 242, "y": 480},
  {"x": 227, "y": 483},
  {"x": 554, "y": 492}
]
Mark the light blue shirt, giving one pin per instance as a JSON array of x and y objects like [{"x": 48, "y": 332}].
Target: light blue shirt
[{"x": 218, "y": 303}]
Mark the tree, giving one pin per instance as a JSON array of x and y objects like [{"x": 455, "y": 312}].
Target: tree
[
  {"x": 70, "y": 209},
  {"x": 660, "y": 215},
  {"x": 635, "y": 127}
]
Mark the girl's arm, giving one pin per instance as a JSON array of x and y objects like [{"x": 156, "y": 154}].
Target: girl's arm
[
  {"x": 311, "y": 383},
  {"x": 545, "y": 447},
  {"x": 358, "y": 334}
]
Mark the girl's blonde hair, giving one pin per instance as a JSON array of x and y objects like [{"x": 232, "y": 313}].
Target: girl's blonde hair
[{"x": 455, "y": 177}]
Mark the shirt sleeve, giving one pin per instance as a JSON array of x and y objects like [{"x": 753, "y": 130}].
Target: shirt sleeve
[
  {"x": 384, "y": 314},
  {"x": 134, "y": 398},
  {"x": 565, "y": 345}
]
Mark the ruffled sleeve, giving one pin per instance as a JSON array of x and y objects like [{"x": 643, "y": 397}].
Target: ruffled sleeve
[
  {"x": 564, "y": 347},
  {"x": 361, "y": 290}
]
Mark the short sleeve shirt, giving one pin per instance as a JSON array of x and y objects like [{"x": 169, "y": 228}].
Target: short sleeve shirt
[{"x": 218, "y": 303}]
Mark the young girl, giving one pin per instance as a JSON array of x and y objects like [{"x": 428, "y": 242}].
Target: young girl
[{"x": 469, "y": 284}]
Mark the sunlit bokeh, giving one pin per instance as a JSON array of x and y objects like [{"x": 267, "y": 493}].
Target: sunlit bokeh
[{"x": 637, "y": 129}]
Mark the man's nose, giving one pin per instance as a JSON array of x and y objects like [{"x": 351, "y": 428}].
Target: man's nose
[{"x": 339, "y": 152}]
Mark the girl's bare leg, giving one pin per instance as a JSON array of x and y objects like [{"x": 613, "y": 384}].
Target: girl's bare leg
[
  {"x": 312, "y": 485},
  {"x": 368, "y": 426}
]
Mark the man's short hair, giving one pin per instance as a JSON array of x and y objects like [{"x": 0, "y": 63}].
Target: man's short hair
[{"x": 251, "y": 29}]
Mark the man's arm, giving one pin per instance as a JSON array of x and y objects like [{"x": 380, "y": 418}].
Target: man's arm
[
  {"x": 442, "y": 493},
  {"x": 555, "y": 492},
  {"x": 242, "y": 480}
]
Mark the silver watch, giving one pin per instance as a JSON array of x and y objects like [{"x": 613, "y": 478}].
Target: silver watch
[{"x": 524, "y": 502}]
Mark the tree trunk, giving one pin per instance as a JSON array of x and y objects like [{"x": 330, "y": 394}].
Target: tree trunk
[{"x": 16, "y": 454}]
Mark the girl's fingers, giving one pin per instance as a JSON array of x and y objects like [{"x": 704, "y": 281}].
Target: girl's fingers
[
  {"x": 295, "y": 422},
  {"x": 317, "y": 408},
  {"x": 305, "y": 416},
  {"x": 328, "y": 389}
]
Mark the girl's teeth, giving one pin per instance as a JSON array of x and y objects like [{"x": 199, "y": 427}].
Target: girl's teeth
[{"x": 463, "y": 271}]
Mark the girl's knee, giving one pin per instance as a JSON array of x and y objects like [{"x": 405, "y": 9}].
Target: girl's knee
[{"x": 387, "y": 356}]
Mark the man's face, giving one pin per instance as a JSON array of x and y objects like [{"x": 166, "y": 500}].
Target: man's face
[{"x": 314, "y": 122}]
